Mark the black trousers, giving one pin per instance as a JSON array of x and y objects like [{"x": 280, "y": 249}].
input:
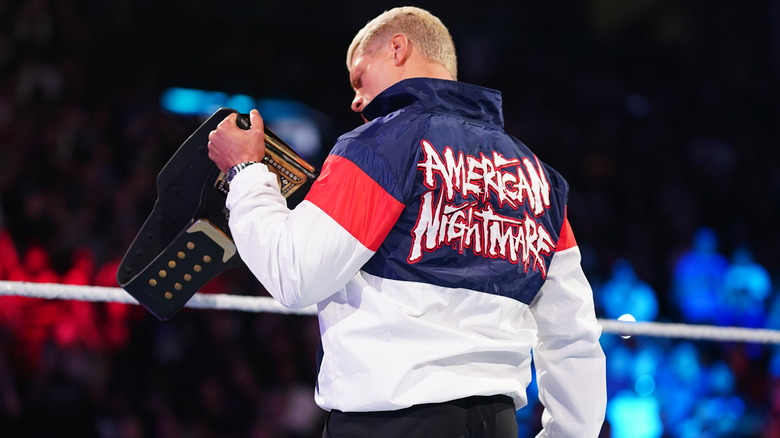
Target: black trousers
[{"x": 471, "y": 417}]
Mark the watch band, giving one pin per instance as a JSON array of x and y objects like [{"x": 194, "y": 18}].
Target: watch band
[{"x": 233, "y": 170}]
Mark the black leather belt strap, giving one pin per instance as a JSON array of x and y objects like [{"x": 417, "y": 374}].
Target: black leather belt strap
[{"x": 186, "y": 242}]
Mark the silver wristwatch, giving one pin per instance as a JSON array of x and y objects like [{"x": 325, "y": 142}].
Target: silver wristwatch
[{"x": 233, "y": 170}]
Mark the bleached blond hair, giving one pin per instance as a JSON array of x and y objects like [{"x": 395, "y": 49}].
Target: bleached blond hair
[{"x": 421, "y": 27}]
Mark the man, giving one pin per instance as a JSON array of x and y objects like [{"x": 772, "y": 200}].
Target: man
[{"x": 436, "y": 249}]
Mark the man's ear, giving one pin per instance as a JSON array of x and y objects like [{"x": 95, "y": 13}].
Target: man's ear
[{"x": 401, "y": 48}]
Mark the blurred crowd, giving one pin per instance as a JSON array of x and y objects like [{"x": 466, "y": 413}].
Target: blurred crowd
[{"x": 663, "y": 116}]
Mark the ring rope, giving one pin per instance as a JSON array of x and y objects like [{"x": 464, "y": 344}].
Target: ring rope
[
  {"x": 54, "y": 291},
  {"x": 259, "y": 304}
]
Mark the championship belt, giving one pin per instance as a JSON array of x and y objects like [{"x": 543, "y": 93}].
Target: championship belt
[{"x": 186, "y": 242}]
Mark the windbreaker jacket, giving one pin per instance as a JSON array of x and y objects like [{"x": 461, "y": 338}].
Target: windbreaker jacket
[{"x": 437, "y": 250}]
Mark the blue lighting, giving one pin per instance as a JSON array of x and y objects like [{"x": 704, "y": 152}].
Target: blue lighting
[
  {"x": 188, "y": 101},
  {"x": 241, "y": 103},
  {"x": 632, "y": 416},
  {"x": 644, "y": 385},
  {"x": 293, "y": 121},
  {"x": 181, "y": 101}
]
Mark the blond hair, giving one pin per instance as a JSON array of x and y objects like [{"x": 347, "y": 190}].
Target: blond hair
[{"x": 421, "y": 27}]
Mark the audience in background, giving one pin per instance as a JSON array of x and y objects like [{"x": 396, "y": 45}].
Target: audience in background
[
  {"x": 698, "y": 279},
  {"x": 626, "y": 294}
]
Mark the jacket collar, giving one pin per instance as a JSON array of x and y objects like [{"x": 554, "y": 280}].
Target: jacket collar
[{"x": 439, "y": 95}]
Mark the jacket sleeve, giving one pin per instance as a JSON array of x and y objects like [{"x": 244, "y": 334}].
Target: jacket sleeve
[
  {"x": 570, "y": 364},
  {"x": 305, "y": 255}
]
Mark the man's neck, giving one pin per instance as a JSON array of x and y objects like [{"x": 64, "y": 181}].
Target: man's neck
[{"x": 423, "y": 68}]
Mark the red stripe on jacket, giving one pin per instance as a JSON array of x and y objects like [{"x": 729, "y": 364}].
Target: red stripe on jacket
[
  {"x": 355, "y": 201},
  {"x": 566, "y": 239}
]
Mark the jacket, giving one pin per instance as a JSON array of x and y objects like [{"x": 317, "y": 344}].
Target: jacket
[{"x": 437, "y": 250}]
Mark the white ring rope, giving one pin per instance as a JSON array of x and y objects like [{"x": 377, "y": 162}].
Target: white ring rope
[
  {"x": 54, "y": 291},
  {"x": 266, "y": 304}
]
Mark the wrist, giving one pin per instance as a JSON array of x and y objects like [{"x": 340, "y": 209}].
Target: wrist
[{"x": 233, "y": 170}]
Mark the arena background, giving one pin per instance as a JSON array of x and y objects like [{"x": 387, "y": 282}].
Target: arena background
[{"x": 663, "y": 115}]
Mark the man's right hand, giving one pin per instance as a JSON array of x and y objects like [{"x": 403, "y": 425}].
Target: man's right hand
[{"x": 230, "y": 145}]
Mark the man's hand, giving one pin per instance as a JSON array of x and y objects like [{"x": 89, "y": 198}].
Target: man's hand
[{"x": 230, "y": 145}]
